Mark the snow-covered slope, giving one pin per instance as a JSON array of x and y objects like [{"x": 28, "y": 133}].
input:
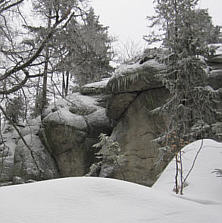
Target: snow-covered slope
[
  {"x": 98, "y": 200},
  {"x": 204, "y": 184}
]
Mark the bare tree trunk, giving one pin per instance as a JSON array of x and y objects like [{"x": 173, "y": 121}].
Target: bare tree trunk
[
  {"x": 67, "y": 83},
  {"x": 37, "y": 97},
  {"x": 176, "y": 175},
  {"x": 63, "y": 84},
  {"x": 45, "y": 80},
  {"x": 45, "y": 72},
  {"x": 181, "y": 173}
]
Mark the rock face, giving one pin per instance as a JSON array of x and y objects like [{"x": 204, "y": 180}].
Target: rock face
[
  {"x": 70, "y": 130},
  {"x": 136, "y": 92},
  {"x": 131, "y": 106},
  {"x": 21, "y": 162},
  {"x": 135, "y": 133},
  {"x": 124, "y": 107},
  {"x": 63, "y": 145},
  {"x": 131, "y": 98},
  {"x": 7, "y": 151},
  {"x": 33, "y": 162}
]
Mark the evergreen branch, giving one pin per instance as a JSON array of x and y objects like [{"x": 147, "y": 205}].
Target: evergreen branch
[{"x": 194, "y": 161}]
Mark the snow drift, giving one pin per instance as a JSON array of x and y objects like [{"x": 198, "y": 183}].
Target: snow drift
[
  {"x": 102, "y": 200},
  {"x": 97, "y": 200}
]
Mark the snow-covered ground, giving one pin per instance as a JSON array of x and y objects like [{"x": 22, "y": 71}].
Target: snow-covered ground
[
  {"x": 99, "y": 200},
  {"x": 204, "y": 183}
]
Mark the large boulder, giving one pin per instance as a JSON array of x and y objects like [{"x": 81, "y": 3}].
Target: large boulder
[
  {"x": 22, "y": 155},
  {"x": 69, "y": 130},
  {"x": 137, "y": 96},
  {"x": 128, "y": 82},
  {"x": 136, "y": 92},
  {"x": 135, "y": 132},
  {"x": 215, "y": 79},
  {"x": 7, "y": 151},
  {"x": 96, "y": 88},
  {"x": 98, "y": 122},
  {"x": 32, "y": 160},
  {"x": 64, "y": 134},
  {"x": 118, "y": 104},
  {"x": 136, "y": 77}
]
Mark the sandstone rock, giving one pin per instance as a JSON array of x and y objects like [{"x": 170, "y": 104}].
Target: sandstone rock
[
  {"x": 81, "y": 110},
  {"x": 95, "y": 88},
  {"x": 118, "y": 104},
  {"x": 98, "y": 123},
  {"x": 83, "y": 105},
  {"x": 7, "y": 151},
  {"x": 66, "y": 118},
  {"x": 136, "y": 77},
  {"x": 70, "y": 132},
  {"x": 30, "y": 129},
  {"x": 136, "y": 90},
  {"x": 65, "y": 143},
  {"x": 34, "y": 162},
  {"x": 135, "y": 133},
  {"x": 18, "y": 180},
  {"x": 215, "y": 79},
  {"x": 215, "y": 59}
]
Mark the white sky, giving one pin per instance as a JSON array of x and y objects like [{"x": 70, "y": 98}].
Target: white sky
[{"x": 127, "y": 18}]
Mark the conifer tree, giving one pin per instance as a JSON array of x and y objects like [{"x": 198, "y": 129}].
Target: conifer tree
[
  {"x": 186, "y": 37},
  {"x": 88, "y": 49}
]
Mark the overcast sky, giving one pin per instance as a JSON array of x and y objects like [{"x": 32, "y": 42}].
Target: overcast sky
[{"x": 127, "y": 18}]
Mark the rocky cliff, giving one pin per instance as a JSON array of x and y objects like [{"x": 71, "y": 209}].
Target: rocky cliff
[
  {"x": 122, "y": 107},
  {"x": 135, "y": 92}
]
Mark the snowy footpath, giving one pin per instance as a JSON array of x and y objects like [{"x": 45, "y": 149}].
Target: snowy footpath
[{"x": 99, "y": 200}]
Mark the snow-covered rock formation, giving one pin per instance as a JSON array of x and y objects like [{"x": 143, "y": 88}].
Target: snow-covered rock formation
[
  {"x": 25, "y": 162},
  {"x": 69, "y": 130},
  {"x": 121, "y": 107},
  {"x": 135, "y": 91}
]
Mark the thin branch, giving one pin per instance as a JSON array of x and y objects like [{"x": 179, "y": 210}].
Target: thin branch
[
  {"x": 194, "y": 161},
  {"x": 36, "y": 54},
  {"x": 17, "y": 86},
  {"x": 10, "y": 6}
]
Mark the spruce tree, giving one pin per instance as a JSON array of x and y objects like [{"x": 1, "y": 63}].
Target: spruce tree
[
  {"x": 88, "y": 47},
  {"x": 186, "y": 37}
]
